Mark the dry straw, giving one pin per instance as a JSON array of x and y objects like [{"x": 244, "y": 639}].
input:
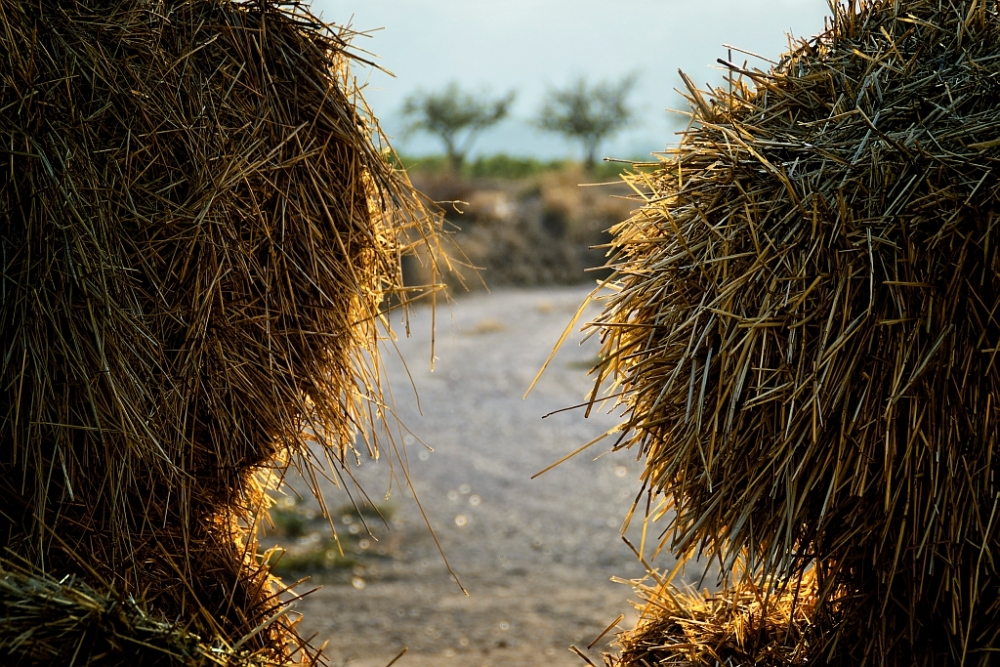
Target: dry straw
[
  {"x": 746, "y": 624},
  {"x": 198, "y": 231},
  {"x": 807, "y": 325},
  {"x": 44, "y": 621}
]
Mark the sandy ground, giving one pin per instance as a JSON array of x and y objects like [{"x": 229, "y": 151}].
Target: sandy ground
[{"x": 536, "y": 556}]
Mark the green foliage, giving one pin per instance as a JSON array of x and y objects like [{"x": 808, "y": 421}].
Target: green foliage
[
  {"x": 289, "y": 522},
  {"x": 454, "y": 116},
  {"x": 366, "y": 511},
  {"x": 500, "y": 166},
  {"x": 507, "y": 167},
  {"x": 504, "y": 167},
  {"x": 588, "y": 113},
  {"x": 323, "y": 555},
  {"x": 316, "y": 549},
  {"x": 610, "y": 171}
]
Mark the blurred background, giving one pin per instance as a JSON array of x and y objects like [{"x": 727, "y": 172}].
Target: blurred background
[
  {"x": 499, "y": 110},
  {"x": 530, "y": 46}
]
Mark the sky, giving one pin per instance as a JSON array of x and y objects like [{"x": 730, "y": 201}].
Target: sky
[{"x": 530, "y": 46}]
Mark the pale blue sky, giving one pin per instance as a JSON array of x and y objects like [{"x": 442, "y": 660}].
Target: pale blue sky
[{"x": 527, "y": 45}]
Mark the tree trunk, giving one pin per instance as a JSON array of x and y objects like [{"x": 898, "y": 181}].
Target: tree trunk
[
  {"x": 590, "y": 154},
  {"x": 455, "y": 156},
  {"x": 455, "y": 160}
]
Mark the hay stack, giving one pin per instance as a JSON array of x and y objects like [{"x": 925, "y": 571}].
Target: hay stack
[
  {"x": 746, "y": 624},
  {"x": 197, "y": 233},
  {"x": 808, "y": 325},
  {"x": 66, "y": 622}
]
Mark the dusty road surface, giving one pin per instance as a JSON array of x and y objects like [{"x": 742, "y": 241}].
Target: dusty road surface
[{"x": 536, "y": 556}]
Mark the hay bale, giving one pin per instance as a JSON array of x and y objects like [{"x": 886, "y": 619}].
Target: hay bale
[
  {"x": 44, "y": 621},
  {"x": 198, "y": 230},
  {"x": 808, "y": 320},
  {"x": 743, "y": 624}
]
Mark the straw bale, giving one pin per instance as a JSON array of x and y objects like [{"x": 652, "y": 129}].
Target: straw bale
[
  {"x": 807, "y": 320},
  {"x": 198, "y": 231},
  {"x": 44, "y": 621},
  {"x": 743, "y": 624}
]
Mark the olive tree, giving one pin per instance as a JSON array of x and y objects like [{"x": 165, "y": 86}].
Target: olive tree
[
  {"x": 455, "y": 117},
  {"x": 588, "y": 113}
]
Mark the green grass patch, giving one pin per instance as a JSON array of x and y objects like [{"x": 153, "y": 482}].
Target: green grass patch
[
  {"x": 368, "y": 513},
  {"x": 311, "y": 549},
  {"x": 319, "y": 557},
  {"x": 292, "y": 520},
  {"x": 289, "y": 522},
  {"x": 504, "y": 167}
]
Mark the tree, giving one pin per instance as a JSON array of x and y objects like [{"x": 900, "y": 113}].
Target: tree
[
  {"x": 588, "y": 113},
  {"x": 454, "y": 116}
]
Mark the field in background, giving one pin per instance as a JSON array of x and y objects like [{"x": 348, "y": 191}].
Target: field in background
[
  {"x": 524, "y": 222},
  {"x": 506, "y": 167}
]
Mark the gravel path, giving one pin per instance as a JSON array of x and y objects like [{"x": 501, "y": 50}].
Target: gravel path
[{"x": 537, "y": 556}]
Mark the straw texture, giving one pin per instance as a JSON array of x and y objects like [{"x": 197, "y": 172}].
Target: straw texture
[
  {"x": 47, "y": 622},
  {"x": 198, "y": 232},
  {"x": 807, "y": 322},
  {"x": 744, "y": 624}
]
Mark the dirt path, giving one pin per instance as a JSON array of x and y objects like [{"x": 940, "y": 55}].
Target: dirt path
[{"x": 536, "y": 556}]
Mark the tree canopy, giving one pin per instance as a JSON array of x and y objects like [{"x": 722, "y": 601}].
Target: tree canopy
[
  {"x": 589, "y": 113},
  {"x": 455, "y": 116}
]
